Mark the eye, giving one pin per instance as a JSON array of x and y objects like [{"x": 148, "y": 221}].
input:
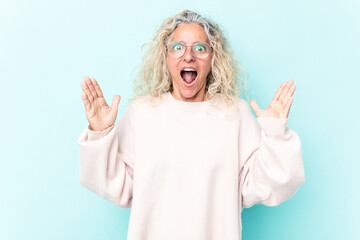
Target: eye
[
  {"x": 199, "y": 47},
  {"x": 177, "y": 46}
]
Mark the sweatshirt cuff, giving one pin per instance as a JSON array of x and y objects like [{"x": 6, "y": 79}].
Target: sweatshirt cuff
[
  {"x": 273, "y": 127},
  {"x": 94, "y": 135}
]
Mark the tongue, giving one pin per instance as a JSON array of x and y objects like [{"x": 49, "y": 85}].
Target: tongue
[{"x": 188, "y": 76}]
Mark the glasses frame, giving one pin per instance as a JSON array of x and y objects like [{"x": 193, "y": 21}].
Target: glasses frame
[{"x": 192, "y": 48}]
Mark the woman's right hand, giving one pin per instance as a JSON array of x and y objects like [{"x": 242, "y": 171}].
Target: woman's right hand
[{"x": 98, "y": 112}]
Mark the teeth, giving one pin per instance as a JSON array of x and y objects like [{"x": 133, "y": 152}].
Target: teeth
[{"x": 189, "y": 70}]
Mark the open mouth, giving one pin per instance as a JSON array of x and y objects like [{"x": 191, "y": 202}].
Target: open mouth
[{"x": 188, "y": 75}]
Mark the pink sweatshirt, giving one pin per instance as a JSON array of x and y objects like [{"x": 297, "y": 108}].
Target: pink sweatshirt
[{"x": 187, "y": 169}]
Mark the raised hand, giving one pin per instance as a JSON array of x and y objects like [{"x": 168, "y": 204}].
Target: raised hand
[
  {"x": 98, "y": 112},
  {"x": 280, "y": 105}
]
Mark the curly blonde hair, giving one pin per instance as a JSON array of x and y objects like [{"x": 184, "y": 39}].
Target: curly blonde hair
[{"x": 224, "y": 80}]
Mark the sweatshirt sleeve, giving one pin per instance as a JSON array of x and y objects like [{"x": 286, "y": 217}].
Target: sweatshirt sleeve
[
  {"x": 106, "y": 161},
  {"x": 271, "y": 166}
]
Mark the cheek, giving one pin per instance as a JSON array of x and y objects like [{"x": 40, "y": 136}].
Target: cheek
[
  {"x": 170, "y": 66},
  {"x": 207, "y": 67},
  {"x": 167, "y": 64}
]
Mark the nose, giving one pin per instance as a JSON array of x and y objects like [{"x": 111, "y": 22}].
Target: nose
[{"x": 188, "y": 55}]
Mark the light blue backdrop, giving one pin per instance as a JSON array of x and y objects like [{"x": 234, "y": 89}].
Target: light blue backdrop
[{"x": 46, "y": 47}]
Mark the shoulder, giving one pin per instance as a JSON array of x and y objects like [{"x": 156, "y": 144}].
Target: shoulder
[
  {"x": 140, "y": 101},
  {"x": 145, "y": 105},
  {"x": 242, "y": 102},
  {"x": 242, "y": 109},
  {"x": 239, "y": 105},
  {"x": 244, "y": 106},
  {"x": 236, "y": 110},
  {"x": 245, "y": 110}
]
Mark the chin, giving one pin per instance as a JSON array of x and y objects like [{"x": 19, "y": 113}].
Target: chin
[
  {"x": 191, "y": 95},
  {"x": 191, "y": 92}
]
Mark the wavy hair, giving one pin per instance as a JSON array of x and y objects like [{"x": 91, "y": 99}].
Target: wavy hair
[{"x": 224, "y": 79}]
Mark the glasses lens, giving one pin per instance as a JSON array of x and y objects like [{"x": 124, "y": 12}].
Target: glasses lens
[
  {"x": 201, "y": 50},
  {"x": 176, "y": 49}
]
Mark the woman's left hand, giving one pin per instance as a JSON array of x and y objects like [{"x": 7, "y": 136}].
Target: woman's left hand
[{"x": 280, "y": 105}]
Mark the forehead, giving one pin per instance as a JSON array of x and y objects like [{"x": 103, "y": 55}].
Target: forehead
[{"x": 189, "y": 33}]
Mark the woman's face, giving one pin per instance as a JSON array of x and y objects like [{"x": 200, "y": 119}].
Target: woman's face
[{"x": 189, "y": 34}]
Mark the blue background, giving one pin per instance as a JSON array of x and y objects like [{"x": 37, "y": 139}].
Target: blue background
[{"x": 47, "y": 47}]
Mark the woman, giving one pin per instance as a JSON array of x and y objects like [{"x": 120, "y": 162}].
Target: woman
[{"x": 188, "y": 155}]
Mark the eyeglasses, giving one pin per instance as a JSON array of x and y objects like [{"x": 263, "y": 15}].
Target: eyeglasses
[{"x": 199, "y": 50}]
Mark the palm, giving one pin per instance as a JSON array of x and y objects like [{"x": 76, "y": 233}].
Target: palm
[
  {"x": 280, "y": 105},
  {"x": 98, "y": 112}
]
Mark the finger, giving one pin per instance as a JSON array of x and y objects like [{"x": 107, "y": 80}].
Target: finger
[
  {"x": 278, "y": 92},
  {"x": 288, "y": 95},
  {"x": 91, "y": 87},
  {"x": 286, "y": 89},
  {"x": 86, "y": 90},
  {"x": 287, "y": 106},
  {"x": 97, "y": 87},
  {"x": 255, "y": 106},
  {"x": 116, "y": 101},
  {"x": 86, "y": 101}
]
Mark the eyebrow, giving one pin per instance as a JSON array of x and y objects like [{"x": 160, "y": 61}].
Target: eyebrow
[{"x": 193, "y": 42}]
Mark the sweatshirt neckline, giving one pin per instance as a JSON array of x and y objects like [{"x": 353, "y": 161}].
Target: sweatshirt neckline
[{"x": 187, "y": 106}]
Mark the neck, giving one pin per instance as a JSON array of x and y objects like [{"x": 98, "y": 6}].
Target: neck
[{"x": 199, "y": 97}]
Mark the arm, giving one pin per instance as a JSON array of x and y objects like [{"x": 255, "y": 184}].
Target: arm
[
  {"x": 271, "y": 161},
  {"x": 106, "y": 161}
]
